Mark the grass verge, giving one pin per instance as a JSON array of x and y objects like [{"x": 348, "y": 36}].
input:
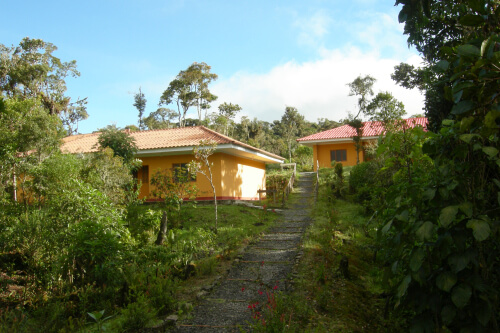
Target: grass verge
[{"x": 338, "y": 286}]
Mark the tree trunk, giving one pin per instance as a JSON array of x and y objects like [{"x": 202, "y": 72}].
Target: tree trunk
[
  {"x": 14, "y": 187},
  {"x": 163, "y": 229}
]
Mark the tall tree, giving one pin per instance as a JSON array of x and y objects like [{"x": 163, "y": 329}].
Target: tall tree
[
  {"x": 140, "y": 105},
  {"x": 201, "y": 78},
  {"x": 291, "y": 121},
  {"x": 385, "y": 108},
  {"x": 160, "y": 119},
  {"x": 32, "y": 71},
  {"x": 28, "y": 135},
  {"x": 190, "y": 88},
  {"x": 362, "y": 87},
  {"x": 73, "y": 114},
  {"x": 228, "y": 111}
]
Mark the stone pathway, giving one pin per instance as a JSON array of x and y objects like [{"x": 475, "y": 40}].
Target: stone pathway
[{"x": 266, "y": 264}]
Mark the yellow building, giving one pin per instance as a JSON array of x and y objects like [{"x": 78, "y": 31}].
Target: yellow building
[
  {"x": 239, "y": 170},
  {"x": 337, "y": 143}
]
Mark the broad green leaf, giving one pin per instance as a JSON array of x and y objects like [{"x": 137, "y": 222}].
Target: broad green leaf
[
  {"x": 447, "y": 122},
  {"x": 490, "y": 151},
  {"x": 498, "y": 198},
  {"x": 490, "y": 119},
  {"x": 443, "y": 65},
  {"x": 468, "y": 137},
  {"x": 429, "y": 194},
  {"x": 403, "y": 286},
  {"x": 457, "y": 96},
  {"x": 458, "y": 261},
  {"x": 425, "y": 232},
  {"x": 394, "y": 267},
  {"x": 487, "y": 47},
  {"x": 467, "y": 208},
  {"x": 460, "y": 295},
  {"x": 448, "y": 313},
  {"x": 446, "y": 280},
  {"x": 386, "y": 227},
  {"x": 462, "y": 107},
  {"x": 416, "y": 260},
  {"x": 403, "y": 216},
  {"x": 462, "y": 85},
  {"x": 471, "y": 20},
  {"x": 466, "y": 123},
  {"x": 451, "y": 186},
  {"x": 480, "y": 229},
  {"x": 447, "y": 215},
  {"x": 468, "y": 50}
]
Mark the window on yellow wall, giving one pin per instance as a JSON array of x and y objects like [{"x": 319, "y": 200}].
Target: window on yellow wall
[
  {"x": 338, "y": 155},
  {"x": 181, "y": 172}
]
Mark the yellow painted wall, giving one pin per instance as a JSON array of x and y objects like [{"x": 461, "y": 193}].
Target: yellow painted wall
[
  {"x": 242, "y": 178},
  {"x": 321, "y": 153},
  {"x": 233, "y": 177}
]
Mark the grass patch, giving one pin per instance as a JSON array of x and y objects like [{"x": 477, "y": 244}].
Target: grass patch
[
  {"x": 325, "y": 299},
  {"x": 152, "y": 281}
]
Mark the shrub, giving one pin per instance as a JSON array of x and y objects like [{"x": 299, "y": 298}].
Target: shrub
[
  {"x": 137, "y": 315},
  {"x": 339, "y": 170},
  {"x": 362, "y": 175}
]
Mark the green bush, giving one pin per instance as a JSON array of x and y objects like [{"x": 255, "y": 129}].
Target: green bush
[
  {"x": 339, "y": 170},
  {"x": 362, "y": 175},
  {"x": 160, "y": 293},
  {"x": 137, "y": 315},
  {"x": 143, "y": 223}
]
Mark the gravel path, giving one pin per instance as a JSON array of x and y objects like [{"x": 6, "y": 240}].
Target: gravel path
[{"x": 267, "y": 263}]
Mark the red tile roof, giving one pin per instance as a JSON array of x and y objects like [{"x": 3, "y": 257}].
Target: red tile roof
[
  {"x": 158, "y": 139},
  {"x": 370, "y": 129}
]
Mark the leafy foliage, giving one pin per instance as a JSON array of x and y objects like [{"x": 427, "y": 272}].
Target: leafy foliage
[
  {"x": 173, "y": 187},
  {"x": 122, "y": 143},
  {"x": 278, "y": 181},
  {"x": 439, "y": 217},
  {"x": 190, "y": 88},
  {"x": 140, "y": 104},
  {"x": 160, "y": 119}
]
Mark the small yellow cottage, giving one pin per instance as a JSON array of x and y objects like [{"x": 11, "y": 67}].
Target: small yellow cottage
[
  {"x": 239, "y": 170},
  {"x": 336, "y": 144}
]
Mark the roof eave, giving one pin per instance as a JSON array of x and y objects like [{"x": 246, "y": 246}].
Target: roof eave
[
  {"x": 228, "y": 148},
  {"x": 338, "y": 140}
]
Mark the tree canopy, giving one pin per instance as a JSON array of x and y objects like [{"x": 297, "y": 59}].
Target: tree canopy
[
  {"x": 121, "y": 142},
  {"x": 190, "y": 88},
  {"x": 31, "y": 71}
]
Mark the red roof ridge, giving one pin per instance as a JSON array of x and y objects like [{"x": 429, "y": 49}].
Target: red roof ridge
[{"x": 370, "y": 129}]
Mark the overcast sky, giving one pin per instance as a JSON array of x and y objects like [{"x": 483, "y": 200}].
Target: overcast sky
[{"x": 267, "y": 54}]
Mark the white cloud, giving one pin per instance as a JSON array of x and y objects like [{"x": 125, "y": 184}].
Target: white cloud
[
  {"x": 317, "y": 88},
  {"x": 312, "y": 29}
]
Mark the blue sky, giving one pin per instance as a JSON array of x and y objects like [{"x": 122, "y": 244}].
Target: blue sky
[{"x": 267, "y": 54}]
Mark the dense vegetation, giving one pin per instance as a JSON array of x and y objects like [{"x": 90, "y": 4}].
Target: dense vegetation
[
  {"x": 436, "y": 195},
  {"x": 74, "y": 240}
]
